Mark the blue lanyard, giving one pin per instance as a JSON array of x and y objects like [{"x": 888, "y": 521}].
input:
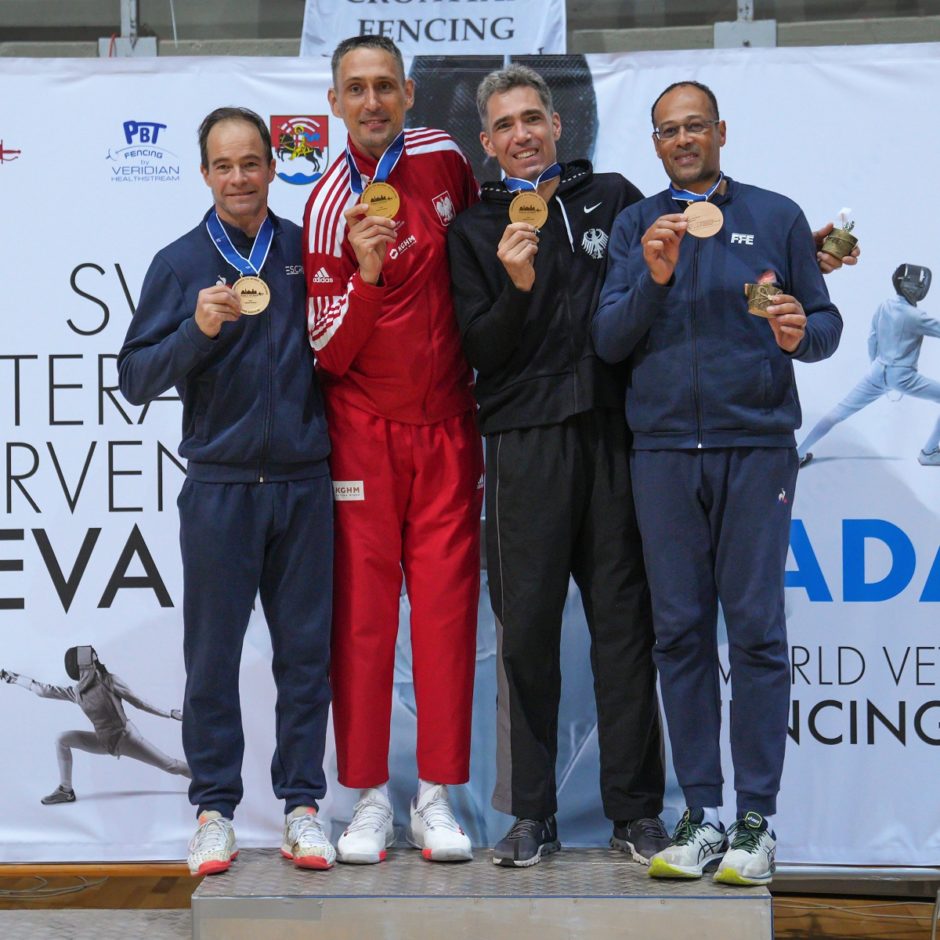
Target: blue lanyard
[
  {"x": 514, "y": 184},
  {"x": 683, "y": 195},
  {"x": 259, "y": 250},
  {"x": 384, "y": 168}
]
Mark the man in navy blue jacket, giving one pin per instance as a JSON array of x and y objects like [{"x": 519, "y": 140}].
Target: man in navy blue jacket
[
  {"x": 712, "y": 404},
  {"x": 221, "y": 318}
]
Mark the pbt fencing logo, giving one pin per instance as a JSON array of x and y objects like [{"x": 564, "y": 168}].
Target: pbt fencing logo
[
  {"x": 301, "y": 147},
  {"x": 142, "y": 158}
]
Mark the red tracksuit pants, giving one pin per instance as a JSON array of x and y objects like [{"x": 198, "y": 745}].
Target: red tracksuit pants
[{"x": 407, "y": 499}]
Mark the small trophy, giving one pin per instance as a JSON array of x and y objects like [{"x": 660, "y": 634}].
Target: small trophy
[
  {"x": 840, "y": 241},
  {"x": 759, "y": 295}
]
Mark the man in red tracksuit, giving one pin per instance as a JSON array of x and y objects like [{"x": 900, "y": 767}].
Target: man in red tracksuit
[{"x": 407, "y": 458}]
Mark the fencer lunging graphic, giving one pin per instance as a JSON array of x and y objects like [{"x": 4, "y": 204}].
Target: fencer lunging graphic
[
  {"x": 99, "y": 694},
  {"x": 897, "y": 332}
]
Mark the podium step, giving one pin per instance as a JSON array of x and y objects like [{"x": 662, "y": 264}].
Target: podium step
[
  {"x": 577, "y": 893},
  {"x": 95, "y": 925}
]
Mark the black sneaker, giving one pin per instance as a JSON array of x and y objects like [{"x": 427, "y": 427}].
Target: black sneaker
[
  {"x": 59, "y": 795},
  {"x": 805, "y": 459},
  {"x": 526, "y": 842},
  {"x": 640, "y": 838}
]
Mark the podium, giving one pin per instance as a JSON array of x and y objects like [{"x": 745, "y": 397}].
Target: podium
[{"x": 576, "y": 893}]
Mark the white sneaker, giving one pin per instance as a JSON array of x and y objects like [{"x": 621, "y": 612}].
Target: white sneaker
[
  {"x": 750, "y": 859},
  {"x": 305, "y": 841},
  {"x": 213, "y": 847},
  {"x": 370, "y": 831},
  {"x": 434, "y": 829},
  {"x": 695, "y": 845}
]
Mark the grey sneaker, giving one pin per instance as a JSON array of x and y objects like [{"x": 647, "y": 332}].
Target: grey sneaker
[
  {"x": 931, "y": 459},
  {"x": 526, "y": 842},
  {"x": 59, "y": 795},
  {"x": 640, "y": 838}
]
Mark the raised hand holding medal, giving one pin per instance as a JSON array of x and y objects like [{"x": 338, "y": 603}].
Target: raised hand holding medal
[
  {"x": 528, "y": 212},
  {"x": 253, "y": 294}
]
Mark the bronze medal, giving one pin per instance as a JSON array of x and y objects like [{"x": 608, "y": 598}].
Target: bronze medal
[
  {"x": 253, "y": 295},
  {"x": 704, "y": 218},
  {"x": 382, "y": 200},
  {"x": 528, "y": 206}
]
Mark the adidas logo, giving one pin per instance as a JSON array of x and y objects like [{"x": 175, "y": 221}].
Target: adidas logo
[{"x": 322, "y": 277}]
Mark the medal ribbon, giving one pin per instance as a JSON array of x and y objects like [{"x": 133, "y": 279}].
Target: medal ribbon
[
  {"x": 384, "y": 168},
  {"x": 259, "y": 250},
  {"x": 683, "y": 195},
  {"x": 514, "y": 184}
]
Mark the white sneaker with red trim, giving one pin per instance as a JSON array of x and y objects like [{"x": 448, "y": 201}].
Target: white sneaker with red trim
[
  {"x": 370, "y": 832},
  {"x": 212, "y": 848},
  {"x": 435, "y": 830},
  {"x": 305, "y": 842}
]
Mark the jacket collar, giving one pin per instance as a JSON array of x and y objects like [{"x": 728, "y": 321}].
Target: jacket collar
[
  {"x": 719, "y": 199},
  {"x": 572, "y": 174}
]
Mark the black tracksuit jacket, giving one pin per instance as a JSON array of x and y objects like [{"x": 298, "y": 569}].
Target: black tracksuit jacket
[{"x": 533, "y": 353}]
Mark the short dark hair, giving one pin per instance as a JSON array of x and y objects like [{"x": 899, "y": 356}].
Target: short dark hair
[
  {"x": 231, "y": 114},
  {"x": 366, "y": 42},
  {"x": 703, "y": 88},
  {"x": 513, "y": 76}
]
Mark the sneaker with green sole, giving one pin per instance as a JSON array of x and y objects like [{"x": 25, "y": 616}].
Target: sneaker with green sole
[
  {"x": 695, "y": 846},
  {"x": 750, "y": 857}
]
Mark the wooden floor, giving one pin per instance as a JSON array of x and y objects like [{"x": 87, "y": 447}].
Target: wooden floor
[
  {"x": 801, "y": 917},
  {"x": 168, "y": 886}
]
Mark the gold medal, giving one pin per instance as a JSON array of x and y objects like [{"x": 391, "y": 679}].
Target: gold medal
[
  {"x": 528, "y": 206},
  {"x": 704, "y": 218},
  {"x": 253, "y": 295},
  {"x": 382, "y": 200}
]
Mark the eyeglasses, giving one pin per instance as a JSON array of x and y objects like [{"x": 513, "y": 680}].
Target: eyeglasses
[{"x": 693, "y": 129}]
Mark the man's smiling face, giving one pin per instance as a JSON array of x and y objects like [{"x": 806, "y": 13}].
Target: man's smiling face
[{"x": 520, "y": 134}]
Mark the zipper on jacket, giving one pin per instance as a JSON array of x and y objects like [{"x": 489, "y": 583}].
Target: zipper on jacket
[
  {"x": 572, "y": 349},
  {"x": 564, "y": 216},
  {"x": 696, "y": 394},
  {"x": 269, "y": 406}
]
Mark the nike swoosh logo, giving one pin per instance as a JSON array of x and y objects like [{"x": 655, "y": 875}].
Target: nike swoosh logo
[{"x": 592, "y": 208}]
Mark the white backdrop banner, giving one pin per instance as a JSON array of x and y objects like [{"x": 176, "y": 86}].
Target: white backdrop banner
[
  {"x": 438, "y": 27},
  {"x": 88, "y": 526}
]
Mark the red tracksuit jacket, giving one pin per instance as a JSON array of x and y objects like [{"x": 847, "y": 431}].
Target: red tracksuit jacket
[{"x": 391, "y": 349}]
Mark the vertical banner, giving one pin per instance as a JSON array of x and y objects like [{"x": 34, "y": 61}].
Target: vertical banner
[
  {"x": 89, "y": 554},
  {"x": 452, "y": 28}
]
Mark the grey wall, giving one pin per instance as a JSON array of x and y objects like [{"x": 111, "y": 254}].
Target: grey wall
[{"x": 272, "y": 27}]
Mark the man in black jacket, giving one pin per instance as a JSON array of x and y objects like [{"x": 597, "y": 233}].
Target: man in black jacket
[{"x": 558, "y": 488}]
